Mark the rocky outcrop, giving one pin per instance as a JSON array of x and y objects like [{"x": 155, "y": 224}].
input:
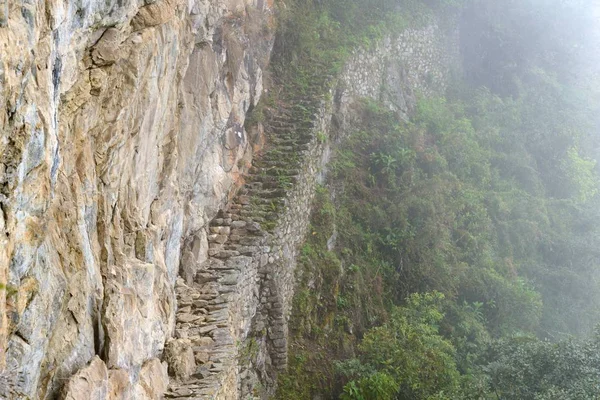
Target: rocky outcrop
[
  {"x": 122, "y": 135},
  {"x": 97, "y": 382}
]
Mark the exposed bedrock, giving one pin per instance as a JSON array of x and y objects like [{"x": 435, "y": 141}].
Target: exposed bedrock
[{"x": 122, "y": 135}]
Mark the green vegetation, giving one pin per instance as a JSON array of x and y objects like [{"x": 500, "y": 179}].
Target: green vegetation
[
  {"x": 317, "y": 36},
  {"x": 438, "y": 207},
  {"x": 405, "y": 355},
  {"x": 455, "y": 256},
  {"x": 526, "y": 368}
]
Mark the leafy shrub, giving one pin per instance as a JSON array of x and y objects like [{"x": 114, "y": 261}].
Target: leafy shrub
[{"x": 408, "y": 355}]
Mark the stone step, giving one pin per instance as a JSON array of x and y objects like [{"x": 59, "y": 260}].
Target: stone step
[
  {"x": 253, "y": 213},
  {"x": 251, "y": 193},
  {"x": 283, "y": 133},
  {"x": 271, "y": 179},
  {"x": 267, "y": 185},
  {"x": 301, "y": 145},
  {"x": 303, "y": 124},
  {"x": 268, "y": 164},
  {"x": 220, "y": 222},
  {"x": 294, "y": 119},
  {"x": 289, "y": 127},
  {"x": 274, "y": 201},
  {"x": 294, "y": 142},
  {"x": 268, "y": 194},
  {"x": 255, "y": 186},
  {"x": 281, "y": 124},
  {"x": 296, "y": 139},
  {"x": 285, "y": 149},
  {"x": 281, "y": 148},
  {"x": 275, "y": 172}
]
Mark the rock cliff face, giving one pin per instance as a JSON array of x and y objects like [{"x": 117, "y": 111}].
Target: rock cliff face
[
  {"x": 122, "y": 135},
  {"x": 145, "y": 255}
]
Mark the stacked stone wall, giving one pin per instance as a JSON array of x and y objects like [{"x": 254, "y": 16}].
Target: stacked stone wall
[{"x": 400, "y": 69}]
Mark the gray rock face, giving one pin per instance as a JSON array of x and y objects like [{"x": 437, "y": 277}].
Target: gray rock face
[
  {"x": 97, "y": 382},
  {"x": 120, "y": 139}
]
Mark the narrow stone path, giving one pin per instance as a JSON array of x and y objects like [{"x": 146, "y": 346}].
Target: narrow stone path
[{"x": 238, "y": 290}]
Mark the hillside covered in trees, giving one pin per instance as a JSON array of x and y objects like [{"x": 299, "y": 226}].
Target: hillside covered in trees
[{"x": 455, "y": 255}]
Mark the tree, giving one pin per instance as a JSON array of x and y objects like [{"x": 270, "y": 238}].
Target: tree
[
  {"x": 525, "y": 368},
  {"x": 407, "y": 354}
]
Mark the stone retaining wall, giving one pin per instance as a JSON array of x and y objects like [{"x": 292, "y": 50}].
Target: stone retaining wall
[{"x": 399, "y": 70}]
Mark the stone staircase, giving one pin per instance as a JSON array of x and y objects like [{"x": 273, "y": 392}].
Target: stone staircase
[{"x": 243, "y": 292}]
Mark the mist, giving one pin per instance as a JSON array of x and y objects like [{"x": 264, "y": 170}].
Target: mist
[
  {"x": 300, "y": 199},
  {"x": 472, "y": 232}
]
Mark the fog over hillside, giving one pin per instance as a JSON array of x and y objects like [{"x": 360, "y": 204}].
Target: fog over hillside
[{"x": 300, "y": 199}]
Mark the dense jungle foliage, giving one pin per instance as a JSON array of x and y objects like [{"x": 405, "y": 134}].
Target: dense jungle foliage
[{"x": 455, "y": 256}]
